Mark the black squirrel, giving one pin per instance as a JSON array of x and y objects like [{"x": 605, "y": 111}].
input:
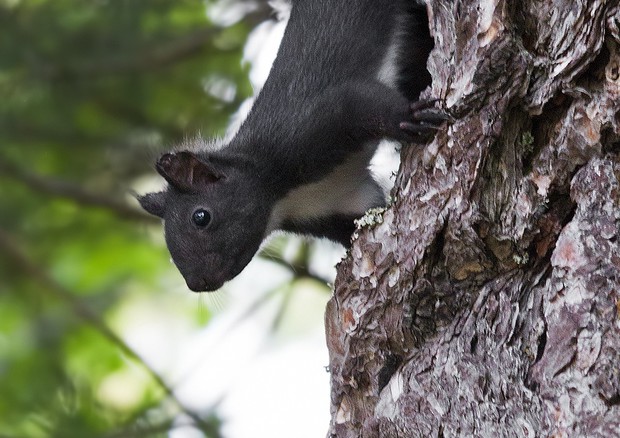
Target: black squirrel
[{"x": 347, "y": 74}]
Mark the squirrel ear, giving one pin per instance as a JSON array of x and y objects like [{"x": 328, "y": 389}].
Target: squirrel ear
[
  {"x": 185, "y": 170},
  {"x": 154, "y": 203}
]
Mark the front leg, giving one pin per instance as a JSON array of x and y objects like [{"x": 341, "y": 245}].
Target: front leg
[
  {"x": 384, "y": 113},
  {"x": 345, "y": 118}
]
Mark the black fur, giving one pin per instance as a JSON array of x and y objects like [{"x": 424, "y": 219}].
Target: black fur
[
  {"x": 322, "y": 111},
  {"x": 337, "y": 228}
]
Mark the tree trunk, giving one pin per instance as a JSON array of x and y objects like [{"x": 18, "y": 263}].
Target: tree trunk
[{"x": 485, "y": 301}]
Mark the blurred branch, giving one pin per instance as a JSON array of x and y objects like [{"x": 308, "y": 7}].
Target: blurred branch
[
  {"x": 153, "y": 430},
  {"x": 282, "y": 308},
  {"x": 58, "y": 291},
  {"x": 159, "y": 54},
  {"x": 21, "y": 129},
  {"x": 63, "y": 189},
  {"x": 299, "y": 266},
  {"x": 137, "y": 117},
  {"x": 262, "y": 12},
  {"x": 164, "y": 427}
]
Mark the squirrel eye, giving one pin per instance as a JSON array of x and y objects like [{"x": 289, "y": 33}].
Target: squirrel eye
[{"x": 201, "y": 217}]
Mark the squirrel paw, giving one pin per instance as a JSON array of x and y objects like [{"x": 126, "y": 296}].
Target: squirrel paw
[{"x": 426, "y": 119}]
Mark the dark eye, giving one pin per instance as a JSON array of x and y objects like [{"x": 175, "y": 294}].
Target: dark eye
[{"x": 201, "y": 217}]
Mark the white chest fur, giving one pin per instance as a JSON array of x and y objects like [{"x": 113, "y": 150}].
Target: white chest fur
[{"x": 348, "y": 190}]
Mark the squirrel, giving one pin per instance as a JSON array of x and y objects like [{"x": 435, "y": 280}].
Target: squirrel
[{"x": 347, "y": 74}]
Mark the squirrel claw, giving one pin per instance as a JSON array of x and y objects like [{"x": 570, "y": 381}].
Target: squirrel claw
[
  {"x": 418, "y": 128},
  {"x": 423, "y": 104},
  {"x": 425, "y": 121},
  {"x": 432, "y": 116}
]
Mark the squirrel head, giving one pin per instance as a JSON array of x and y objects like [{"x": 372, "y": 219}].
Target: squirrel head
[{"x": 214, "y": 217}]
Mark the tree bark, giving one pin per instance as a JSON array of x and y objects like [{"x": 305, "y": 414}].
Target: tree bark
[{"x": 485, "y": 300}]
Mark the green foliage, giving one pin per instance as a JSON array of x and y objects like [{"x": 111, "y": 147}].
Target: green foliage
[{"x": 90, "y": 93}]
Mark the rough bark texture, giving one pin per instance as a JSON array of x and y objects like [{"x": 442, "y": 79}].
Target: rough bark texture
[{"x": 486, "y": 299}]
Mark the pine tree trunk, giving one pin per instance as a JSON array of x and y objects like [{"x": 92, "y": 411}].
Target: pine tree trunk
[{"x": 485, "y": 301}]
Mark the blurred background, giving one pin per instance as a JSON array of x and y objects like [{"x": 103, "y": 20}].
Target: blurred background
[{"x": 99, "y": 336}]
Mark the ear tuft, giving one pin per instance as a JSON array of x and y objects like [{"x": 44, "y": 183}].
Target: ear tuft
[
  {"x": 185, "y": 171},
  {"x": 154, "y": 203}
]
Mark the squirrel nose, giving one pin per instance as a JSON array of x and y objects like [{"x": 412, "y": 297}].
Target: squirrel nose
[
  {"x": 195, "y": 283},
  {"x": 199, "y": 284}
]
